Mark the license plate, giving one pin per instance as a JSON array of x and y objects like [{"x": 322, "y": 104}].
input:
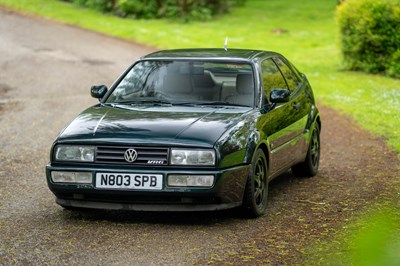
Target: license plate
[{"x": 129, "y": 181}]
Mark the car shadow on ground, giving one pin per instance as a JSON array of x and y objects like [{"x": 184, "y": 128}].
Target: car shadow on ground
[{"x": 276, "y": 186}]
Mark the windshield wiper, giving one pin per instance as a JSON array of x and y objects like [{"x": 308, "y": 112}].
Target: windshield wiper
[
  {"x": 185, "y": 103},
  {"x": 220, "y": 103},
  {"x": 150, "y": 101},
  {"x": 162, "y": 101}
]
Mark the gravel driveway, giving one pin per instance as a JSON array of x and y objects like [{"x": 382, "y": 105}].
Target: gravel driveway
[{"x": 46, "y": 70}]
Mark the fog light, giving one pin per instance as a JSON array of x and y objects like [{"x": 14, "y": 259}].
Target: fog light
[
  {"x": 190, "y": 180},
  {"x": 71, "y": 177}
]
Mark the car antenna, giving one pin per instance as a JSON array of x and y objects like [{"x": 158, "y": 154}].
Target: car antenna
[{"x": 226, "y": 44}]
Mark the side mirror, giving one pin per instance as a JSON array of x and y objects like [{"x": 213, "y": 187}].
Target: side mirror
[
  {"x": 279, "y": 95},
  {"x": 98, "y": 91}
]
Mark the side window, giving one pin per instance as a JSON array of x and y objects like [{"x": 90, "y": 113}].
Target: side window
[
  {"x": 272, "y": 77},
  {"x": 292, "y": 79}
]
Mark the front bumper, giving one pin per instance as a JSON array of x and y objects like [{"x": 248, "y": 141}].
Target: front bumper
[{"x": 227, "y": 191}]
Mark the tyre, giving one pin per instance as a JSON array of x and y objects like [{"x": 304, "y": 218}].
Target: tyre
[
  {"x": 256, "y": 191},
  {"x": 309, "y": 167}
]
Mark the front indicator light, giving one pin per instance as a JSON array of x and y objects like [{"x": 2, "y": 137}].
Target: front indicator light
[
  {"x": 190, "y": 180},
  {"x": 71, "y": 177}
]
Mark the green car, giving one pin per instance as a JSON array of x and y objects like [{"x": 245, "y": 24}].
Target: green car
[{"x": 189, "y": 130}]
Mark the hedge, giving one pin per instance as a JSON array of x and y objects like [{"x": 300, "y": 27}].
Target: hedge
[
  {"x": 370, "y": 35},
  {"x": 177, "y": 9}
]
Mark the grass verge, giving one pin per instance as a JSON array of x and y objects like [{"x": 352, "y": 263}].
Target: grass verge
[{"x": 374, "y": 240}]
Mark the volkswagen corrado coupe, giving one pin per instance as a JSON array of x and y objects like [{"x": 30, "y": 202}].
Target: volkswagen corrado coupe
[{"x": 189, "y": 130}]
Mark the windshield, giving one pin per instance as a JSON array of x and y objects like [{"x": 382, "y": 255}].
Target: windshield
[{"x": 186, "y": 82}]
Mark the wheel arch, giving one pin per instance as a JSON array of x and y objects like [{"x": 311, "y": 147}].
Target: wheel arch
[
  {"x": 265, "y": 149},
  {"x": 318, "y": 120},
  {"x": 253, "y": 146}
]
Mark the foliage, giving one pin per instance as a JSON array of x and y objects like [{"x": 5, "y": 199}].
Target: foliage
[
  {"x": 370, "y": 35},
  {"x": 370, "y": 238},
  {"x": 375, "y": 243},
  {"x": 137, "y": 8},
  {"x": 183, "y": 9},
  {"x": 101, "y": 5},
  {"x": 394, "y": 65}
]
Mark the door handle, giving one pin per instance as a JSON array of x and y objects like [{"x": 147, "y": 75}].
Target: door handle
[{"x": 296, "y": 106}]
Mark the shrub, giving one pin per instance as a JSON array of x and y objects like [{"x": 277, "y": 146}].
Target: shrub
[
  {"x": 370, "y": 39},
  {"x": 187, "y": 9},
  {"x": 394, "y": 65},
  {"x": 101, "y": 5},
  {"x": 184, "y": 10},
  {"x": 137, "y": 8}
]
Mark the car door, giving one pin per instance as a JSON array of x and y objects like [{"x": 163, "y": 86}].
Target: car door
[
  {"x": 301, "y": 102},
  {"x": 284, "y": 123}
]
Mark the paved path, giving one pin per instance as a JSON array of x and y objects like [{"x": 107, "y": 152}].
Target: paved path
[{"x": 46, "y": 70}]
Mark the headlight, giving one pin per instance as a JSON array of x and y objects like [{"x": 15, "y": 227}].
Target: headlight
[
  {"x": 71, "y": 177},
  {"x": 74, "y": 153},
  {"x": 192, "y": 157}
]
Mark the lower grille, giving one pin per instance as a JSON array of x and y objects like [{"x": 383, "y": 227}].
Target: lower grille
[{"x": 145, "y": 155}]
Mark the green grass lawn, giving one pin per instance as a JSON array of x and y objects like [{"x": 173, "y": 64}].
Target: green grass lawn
[{"x": 309, "y": 40}]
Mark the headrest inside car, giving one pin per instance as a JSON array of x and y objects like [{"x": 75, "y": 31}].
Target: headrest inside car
[
  {"x": 245, "y": 84},
  {"x": 180, "y": 84}
]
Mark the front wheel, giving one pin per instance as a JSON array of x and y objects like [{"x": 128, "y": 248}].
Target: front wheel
[
  {"x": 310, "y": 166},
  {"x": 255, "y": 196}
]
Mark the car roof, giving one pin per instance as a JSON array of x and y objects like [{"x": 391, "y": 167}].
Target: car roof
[{"x": 210, "y": 53}]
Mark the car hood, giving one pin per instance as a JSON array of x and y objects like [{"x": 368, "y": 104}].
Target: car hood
[{"x": 158, "y": 125}]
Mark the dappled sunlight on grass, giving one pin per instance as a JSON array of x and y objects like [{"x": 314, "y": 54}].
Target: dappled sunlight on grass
[{"x": 373, "y": 101}]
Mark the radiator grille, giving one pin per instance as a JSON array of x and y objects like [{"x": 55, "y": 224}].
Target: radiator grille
[{"x": 145, "y": 155}]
